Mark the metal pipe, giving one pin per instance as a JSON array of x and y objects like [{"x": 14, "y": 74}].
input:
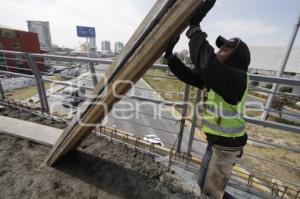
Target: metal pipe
[
  {"x": 2, "y": 95},
  {"x": 162, "y": 77},
  {"x": 157, "y": 101},
  {"x": 182, "y": 121},
  {"x": 91, "y": 53},
  {"x": 13, "y": 67},
  {"x": 61, "y": 58},
  {"x": 40, "y": 83},
  {"x": 194, "y": 122},
  {"x": 38, "y": 86},
  {"x": 157, "y": 90},
  {"x": 285, "y": 147},
  {"x": 265, "y": 123},
  {"x": 281, "y": 69},
  {"x": 284, "y": 113},
  {"x": 16, "y": 74},
  {"x": 255, "y": 77},
  {"x": 268, "y": 91},
  {"x": 93, "y": 74},
  {"x": 277, "y": 79}
]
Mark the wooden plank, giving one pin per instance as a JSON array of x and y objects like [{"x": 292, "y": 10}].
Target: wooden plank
[{"x": 172, "y": 23}]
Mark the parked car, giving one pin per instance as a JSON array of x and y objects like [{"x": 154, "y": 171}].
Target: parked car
[
  {"x": 73, "y": 97},
  {"x": 153, "y": 139}
]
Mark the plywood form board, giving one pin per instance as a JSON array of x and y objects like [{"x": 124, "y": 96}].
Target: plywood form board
[{"x": 149, "y": 50}]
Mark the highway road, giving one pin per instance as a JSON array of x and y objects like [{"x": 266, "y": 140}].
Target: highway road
[{"x": 141, "y": 119}]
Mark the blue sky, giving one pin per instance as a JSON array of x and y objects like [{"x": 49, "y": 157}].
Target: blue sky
[{"x": 258, "y": 22}]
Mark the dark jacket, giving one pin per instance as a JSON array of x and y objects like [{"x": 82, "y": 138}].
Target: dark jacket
[{"x": 227, "y": 81}]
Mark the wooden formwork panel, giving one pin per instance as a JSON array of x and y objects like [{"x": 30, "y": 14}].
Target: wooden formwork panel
[{"x": 167, "y": 19}]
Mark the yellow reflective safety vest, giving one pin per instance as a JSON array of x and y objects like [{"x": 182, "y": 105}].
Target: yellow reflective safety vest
[{"x": 223, "y": 119}]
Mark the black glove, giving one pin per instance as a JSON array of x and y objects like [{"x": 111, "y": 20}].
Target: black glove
[
  {"x": 170, "y": 47},
  {"x": 201, "y": 12}
]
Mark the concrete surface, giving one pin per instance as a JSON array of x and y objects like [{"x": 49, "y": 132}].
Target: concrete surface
[{"x": 28, "y": 130}]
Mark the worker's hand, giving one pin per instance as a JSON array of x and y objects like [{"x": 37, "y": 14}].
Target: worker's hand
[
  {"x": 201, "y": 12},
  {"x": 170, "y": 47}
]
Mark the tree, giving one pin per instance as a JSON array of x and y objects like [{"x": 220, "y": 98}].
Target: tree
[{"x": 278, "y": 103}]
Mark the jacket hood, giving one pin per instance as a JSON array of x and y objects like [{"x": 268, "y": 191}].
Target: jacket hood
[{"x": 240, "y": 58}]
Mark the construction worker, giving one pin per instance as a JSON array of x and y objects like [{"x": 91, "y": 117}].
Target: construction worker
[{"x": 224, "y": 75}]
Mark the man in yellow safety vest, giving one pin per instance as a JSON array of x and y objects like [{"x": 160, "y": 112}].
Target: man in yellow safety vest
[{"x": 224, "y": 75}]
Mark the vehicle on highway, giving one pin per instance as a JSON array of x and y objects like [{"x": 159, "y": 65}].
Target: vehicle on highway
[
  {"x": 153, "y": 139},
  {"x": 56, "y": 69},
  {"x": 3, "y": 76},
  {"x": 70, "y": 73},
  {"x": 73, "y": 96}
]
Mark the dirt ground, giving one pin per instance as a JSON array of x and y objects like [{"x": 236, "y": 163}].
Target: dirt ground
[{"x": 100, "y": 168}]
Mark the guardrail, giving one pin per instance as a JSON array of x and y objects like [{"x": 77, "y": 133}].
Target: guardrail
[{"x": 40, "y": 78}]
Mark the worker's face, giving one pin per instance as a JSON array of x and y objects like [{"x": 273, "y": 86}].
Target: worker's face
[{"x": 224, "y": 53}]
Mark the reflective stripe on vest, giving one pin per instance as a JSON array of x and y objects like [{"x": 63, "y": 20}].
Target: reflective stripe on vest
[
  {"x": 223, "y": 129},
  {"x": 224, "y": 112}
]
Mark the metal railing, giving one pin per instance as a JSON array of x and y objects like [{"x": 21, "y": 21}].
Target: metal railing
[{"x": 41, "y": 78}]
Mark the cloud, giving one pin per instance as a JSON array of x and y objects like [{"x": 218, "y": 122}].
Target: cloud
[{"x": 244, "y": 27}]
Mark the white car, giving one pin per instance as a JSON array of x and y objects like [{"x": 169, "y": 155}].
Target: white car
[{"x": 153, "y": 139}]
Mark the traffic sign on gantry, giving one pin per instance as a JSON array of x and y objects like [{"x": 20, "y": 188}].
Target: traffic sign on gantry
[{"x": 83, "y": 31}]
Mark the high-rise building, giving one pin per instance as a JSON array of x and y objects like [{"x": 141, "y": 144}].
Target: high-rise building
[
  {"x": 43, "y": 30},
  {"x": 118, "y": 47},
  {"x": 93, "y": 46},
  {"x": 105, "y": 46}
]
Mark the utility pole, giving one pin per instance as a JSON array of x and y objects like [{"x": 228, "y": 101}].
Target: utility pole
[
  {"x": 2, "y": 95},
  {"x": 39, "y": 83}
]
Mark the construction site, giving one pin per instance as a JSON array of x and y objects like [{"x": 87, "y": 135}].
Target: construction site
[{"x": 127, "y": 127}]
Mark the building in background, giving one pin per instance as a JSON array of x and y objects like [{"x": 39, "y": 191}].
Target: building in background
[
  {"x": 118, "y": 47},
  {"x": 93, "y": 45},
  {"x": 105, "y": 46},
  {"x": 43, "y": 30},
  {"x": 17, "y": 40}
]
